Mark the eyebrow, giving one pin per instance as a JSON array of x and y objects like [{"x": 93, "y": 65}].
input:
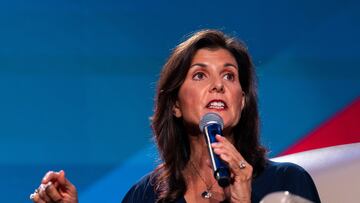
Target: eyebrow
[
  {"x": 230, "y": 65},
  {"x": 204, "y": 65},
  {"x": 198, "y": 64}
]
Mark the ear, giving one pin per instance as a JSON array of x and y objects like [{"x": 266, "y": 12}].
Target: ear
[
  {"x": 176, "y": 110},
  {"x": 243, "y": 100}
]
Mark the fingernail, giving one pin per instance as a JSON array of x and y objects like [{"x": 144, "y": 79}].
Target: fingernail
[
  {"x": 42, "y": 187},
  {"x": 32, "y": 196},
  {"x": 48, "y": 184}
]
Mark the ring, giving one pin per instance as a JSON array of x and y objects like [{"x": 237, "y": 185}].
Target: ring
[
  {"x": 32, "y": 196},
  {"x": 242, "y": 165}
]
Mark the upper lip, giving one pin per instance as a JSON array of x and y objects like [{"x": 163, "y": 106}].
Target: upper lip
[{"x": 216, "y": 100}]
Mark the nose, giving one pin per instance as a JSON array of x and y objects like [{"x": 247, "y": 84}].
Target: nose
[{"x": 217, "y": 86}]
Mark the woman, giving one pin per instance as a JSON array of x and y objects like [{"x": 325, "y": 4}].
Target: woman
[{"x": 209, "y": 72}]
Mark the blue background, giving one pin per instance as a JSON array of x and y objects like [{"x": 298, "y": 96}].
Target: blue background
[{"x": 77, "y": 80}]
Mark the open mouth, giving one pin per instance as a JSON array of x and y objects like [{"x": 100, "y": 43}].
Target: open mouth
[{"x": 216, "y": 104}]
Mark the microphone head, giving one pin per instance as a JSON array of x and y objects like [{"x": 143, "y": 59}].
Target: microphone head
[{"x": 210, "y": 118}]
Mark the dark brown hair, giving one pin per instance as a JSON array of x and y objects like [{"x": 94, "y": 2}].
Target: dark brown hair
[{"x": 169, "y": 133}]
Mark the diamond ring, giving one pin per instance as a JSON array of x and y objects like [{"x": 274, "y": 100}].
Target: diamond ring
[{"x": 242, "y": 165}]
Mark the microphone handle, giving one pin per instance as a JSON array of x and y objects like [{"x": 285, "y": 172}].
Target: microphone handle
[{"x": 221, "y": 170}]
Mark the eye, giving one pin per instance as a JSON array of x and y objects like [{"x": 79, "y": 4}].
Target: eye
[
  {"x": 198, "y": 76},
  {"x": 229, "y": 76}
]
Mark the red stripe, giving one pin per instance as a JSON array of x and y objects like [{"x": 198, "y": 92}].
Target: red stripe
[{"x": 343, "y": 128}]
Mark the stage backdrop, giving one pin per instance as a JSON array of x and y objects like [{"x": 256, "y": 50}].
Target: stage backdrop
[{"x": 77, "y": 80}]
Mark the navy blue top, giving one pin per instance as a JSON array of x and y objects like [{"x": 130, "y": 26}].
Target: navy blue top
[{"x": 275, "y": 177}]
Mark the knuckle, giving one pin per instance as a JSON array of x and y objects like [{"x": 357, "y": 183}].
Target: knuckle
[
  {"x": 43, "y": 195},
  {"x": 49, "y": 189},
  {"x": 52, "y": 192},
  {"x": 243, "y": 178},
  {"x": 48, "y": 174},
  {"x": 56, "y": 198},
  {"x": 40, "y": 189}
]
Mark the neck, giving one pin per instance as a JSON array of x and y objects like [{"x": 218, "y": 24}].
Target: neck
[{"x": 199, "y": 152}]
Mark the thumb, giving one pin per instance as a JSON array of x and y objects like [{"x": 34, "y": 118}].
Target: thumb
[
  {"x": 62, "y": 179},
  {"x": 64, "y": 182}
]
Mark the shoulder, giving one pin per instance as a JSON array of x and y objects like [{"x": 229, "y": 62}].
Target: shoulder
[
  {"x": 286, "y": 177},
  {"x": 282, "y": 173},
  {"x": 142, "y": 191},
  {"x": 286, "y": 169},
  {"x": 290, "y": 176}
]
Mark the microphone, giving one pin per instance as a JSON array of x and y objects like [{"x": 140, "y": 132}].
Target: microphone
[
  {"x": 210, "y": 125},
  {"x": 284, "y": 196}
]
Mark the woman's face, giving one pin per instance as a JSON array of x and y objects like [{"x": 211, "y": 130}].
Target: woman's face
[{"x": 211, "y": 85}]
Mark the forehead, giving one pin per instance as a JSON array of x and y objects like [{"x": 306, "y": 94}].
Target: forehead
[{"x": 218, "y": 56}]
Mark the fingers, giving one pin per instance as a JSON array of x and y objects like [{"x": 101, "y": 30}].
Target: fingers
[
  {"x": 62, "y": 180},
  {"x": 224, "y": 144},
  {"x": 52, "y": 176},
  {"x": 66, "y": 183},
  {"x": 35, "y": 197},
  {"x": 42, "y": 193},
  {"x": 227, "y": 152},
  {"x": 52, "y": 192},
  {"x": 54, "y": 187},
  {"x": 46, "y": 193},
  {"x": 58, "y": 178}
]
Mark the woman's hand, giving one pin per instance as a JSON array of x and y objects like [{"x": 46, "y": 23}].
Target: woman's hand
[
  {"x": 241, "y": 171},
  {"x": 55, "y": 187}
]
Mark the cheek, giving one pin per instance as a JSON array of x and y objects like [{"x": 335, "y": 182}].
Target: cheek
[
  {"x": 184, "y": 102},
  {"x": 236, "y": 111},
  {"x": 183, "y": 95},
  {"x": 237, "y": 101},
  {"x": 189, "y": 96}
]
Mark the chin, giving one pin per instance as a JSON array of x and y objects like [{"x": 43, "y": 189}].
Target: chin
[{"x": 230, "y": 123}]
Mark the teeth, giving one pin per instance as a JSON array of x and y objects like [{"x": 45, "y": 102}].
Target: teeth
[{"x": 216, "y": 105}]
